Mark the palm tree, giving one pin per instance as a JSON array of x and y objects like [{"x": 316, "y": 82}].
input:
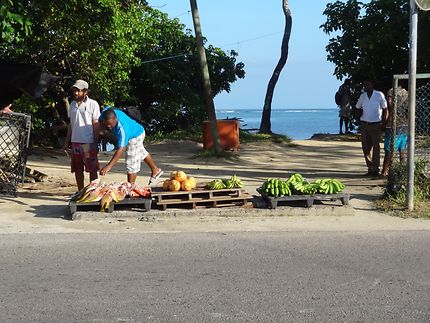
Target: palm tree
[
  {"x": 265, "y": 126},
  {"x": 207, "y": 91}
]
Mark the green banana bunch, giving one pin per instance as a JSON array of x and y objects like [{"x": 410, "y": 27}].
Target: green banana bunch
[
  {"x": 216, "y": 184},
  {"x": 338, "y": 186},
  {"x": 297, "y": 184},
  {"x": 275, "y": 187},
  {"x": 233, "y": 182},
  {"x": 329, "y": 186},
  {"x": 219, "y": 184},
  {"x": 298, "y": 187},
  {"x": 295, "y": 178},
  {"x": 310, "y": 188}
]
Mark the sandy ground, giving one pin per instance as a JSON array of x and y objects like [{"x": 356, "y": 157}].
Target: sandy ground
[{"x": 43, "y": 207}]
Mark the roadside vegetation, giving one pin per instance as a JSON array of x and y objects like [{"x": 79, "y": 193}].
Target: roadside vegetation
[
  {"x": 139, "y": 56},
  {"x": 130, "y": 53},
  {"x": 359, "y": 54},
  {"x": 195, "y": 134},
  {"x": 395, "y": 198}
]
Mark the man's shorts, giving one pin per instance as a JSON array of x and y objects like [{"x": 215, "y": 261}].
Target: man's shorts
[
  {"x": 400, "y": 141},
  {"x": 136, "y": 152},
  {"x": 84, "y": 157}
]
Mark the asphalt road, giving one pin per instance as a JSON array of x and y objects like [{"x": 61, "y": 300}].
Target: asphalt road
[{"x": 216, "y": 277}]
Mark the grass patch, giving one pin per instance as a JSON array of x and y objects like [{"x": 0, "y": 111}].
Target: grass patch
[
  {"x": 395, "y": 199},
  {"x": 248, "y": 137},
  {"x": 421, "y": 210},
  {"x": 396, "y": 207},
  {"x": 192, "y": 135},
  {"x": 210, "y": 153},
  {"x": 196, "y": 136}
]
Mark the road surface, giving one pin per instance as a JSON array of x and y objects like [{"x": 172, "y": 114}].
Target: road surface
[{"x": 366, "y": 276}]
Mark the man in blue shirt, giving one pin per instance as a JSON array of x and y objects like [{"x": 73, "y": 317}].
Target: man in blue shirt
[{"x": 129, "y": 135}]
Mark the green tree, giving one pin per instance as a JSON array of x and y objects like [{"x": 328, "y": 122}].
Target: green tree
[
  {"x": 111, "y": 43},
  {"x": 167, "y": 85},
  {"x": 15, "y": 27},
  {"x": 370, "y": 40},
  {"x": 93, "y": 39}
]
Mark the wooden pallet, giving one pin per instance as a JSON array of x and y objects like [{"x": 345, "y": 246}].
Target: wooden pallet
[
  {"x": 200, "y": 198},
  {"x": 142, "y": 203},
  {"x": 38, "y": 176},
  {"x": 274, "y": 202}
]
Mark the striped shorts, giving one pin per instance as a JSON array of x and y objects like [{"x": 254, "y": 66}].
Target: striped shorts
[{"x": 136, "y": 152}]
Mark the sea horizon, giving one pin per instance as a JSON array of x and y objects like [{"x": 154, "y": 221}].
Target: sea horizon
[
  {"x": 296, "y": 123},
  {"x": 261, "y": 109}
]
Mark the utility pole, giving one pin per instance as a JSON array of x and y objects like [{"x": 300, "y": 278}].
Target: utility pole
[
  {"x": 206, "y": 79},
  {"x": 413, "y": 31}
]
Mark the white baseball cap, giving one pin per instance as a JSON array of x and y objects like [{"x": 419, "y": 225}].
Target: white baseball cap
[{"x": 81, "y": 85}]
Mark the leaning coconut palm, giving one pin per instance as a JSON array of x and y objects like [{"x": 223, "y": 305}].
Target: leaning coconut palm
[
  {"x": 265, "y": 126},
  {"x": 207, "y": 91}
]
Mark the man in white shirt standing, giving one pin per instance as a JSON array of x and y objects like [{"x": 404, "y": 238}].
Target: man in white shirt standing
[
  {"x": 372, "y": 122},
  {"x": 83, "y": 134}
]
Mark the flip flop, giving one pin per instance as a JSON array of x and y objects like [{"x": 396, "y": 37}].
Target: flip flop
[
  {"x": 73, "y": 196},
  {"x": 154, "y": 178}
]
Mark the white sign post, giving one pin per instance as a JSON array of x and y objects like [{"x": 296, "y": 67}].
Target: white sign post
[
  {"x": 413, "y": 28},
  {"x": 413, "y": 31}
]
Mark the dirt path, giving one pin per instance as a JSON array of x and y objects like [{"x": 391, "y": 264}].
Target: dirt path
[{"x": 42, "y": 207}]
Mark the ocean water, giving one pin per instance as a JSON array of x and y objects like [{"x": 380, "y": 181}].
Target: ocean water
[{"x": 295, "y": 123}]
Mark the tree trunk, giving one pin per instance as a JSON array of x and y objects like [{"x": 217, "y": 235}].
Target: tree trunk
[
  {"x": 206, "y": 79},
  {"x": 265, "y": 126}
]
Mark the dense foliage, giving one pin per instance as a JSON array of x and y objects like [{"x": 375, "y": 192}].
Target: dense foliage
[
  {"x": 119, "y": 47},
  {"x": 171, "y": 89},
  {"x": 14, "y": 27},
  {"x": 370, "y": 39}
]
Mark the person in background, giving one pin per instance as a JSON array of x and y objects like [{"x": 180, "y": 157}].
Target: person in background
[
  {"x": 345, "y": 106},
  {"x": 401, "y": 137},
  {"x": 372, "y": 122},
  {"x": 129, "y": 135},
  {"x": 82, "y": 134},
  {"x": 6, "y": 110}
]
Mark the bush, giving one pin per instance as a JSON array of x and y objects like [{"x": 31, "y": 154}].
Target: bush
[{"x": 398, "y": 178}]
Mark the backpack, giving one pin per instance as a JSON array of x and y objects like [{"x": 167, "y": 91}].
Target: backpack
[
  {"x": 338, "y": 98},
  {"x": 134, "y": 113}
]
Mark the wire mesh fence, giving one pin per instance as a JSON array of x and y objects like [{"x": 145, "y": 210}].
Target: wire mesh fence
[
  {"x": 422, "y": 121},
  {"x": 14, "y": 140},
  {"x": 422, "y": 115},
  {"x": 409, "y": 139}
]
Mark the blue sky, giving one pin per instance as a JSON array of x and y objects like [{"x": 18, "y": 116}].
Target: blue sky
[{"x": 254, "y": 29}]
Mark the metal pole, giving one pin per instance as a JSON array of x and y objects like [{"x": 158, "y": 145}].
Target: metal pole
[{"x": 413, "y": 30}]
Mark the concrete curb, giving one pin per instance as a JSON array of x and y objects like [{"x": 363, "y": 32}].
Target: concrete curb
[{"x": 316, "y": 210}]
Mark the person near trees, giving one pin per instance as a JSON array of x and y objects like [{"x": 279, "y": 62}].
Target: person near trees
[
  {"x": 6, "y": 110},
  {"x": 82, "y": 134},
  {"x": 345, "y": 106},
  {"x": 401, "y": 135},
  {"x": 372, "y": 121},
  {"x": 129, "y": 136}
]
